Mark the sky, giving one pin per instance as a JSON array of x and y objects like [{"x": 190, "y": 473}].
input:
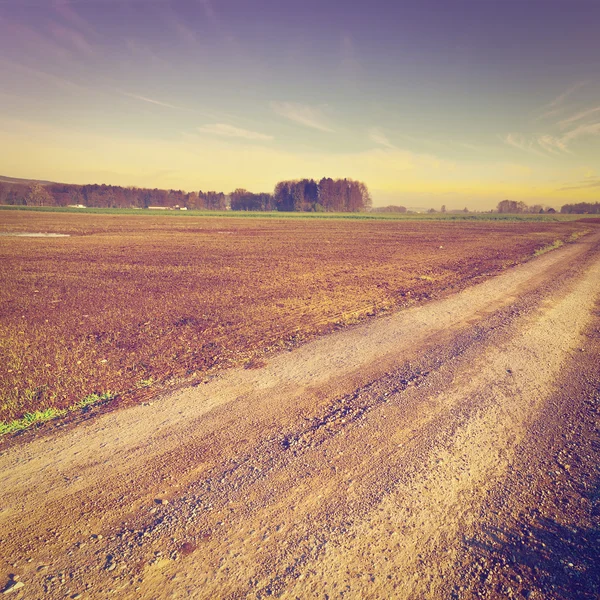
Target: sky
[{"x": 429, "y": 102}]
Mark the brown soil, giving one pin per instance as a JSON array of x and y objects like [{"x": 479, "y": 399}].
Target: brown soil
[
  {"x": 446, "y": 450},
  {"x": 141, "y": 304}
]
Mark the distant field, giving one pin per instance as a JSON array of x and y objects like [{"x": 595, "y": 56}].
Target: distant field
[
  {"x": 303, "y": 215},
  {"x": 131, "y": 303}
]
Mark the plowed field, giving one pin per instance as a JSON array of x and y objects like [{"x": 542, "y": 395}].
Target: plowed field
[
  {"x": 449, "y": 450},
  {"x": 135, "y": 305}
]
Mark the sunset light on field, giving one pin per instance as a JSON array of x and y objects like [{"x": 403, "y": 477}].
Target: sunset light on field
[{"x": 461, "y": 102}]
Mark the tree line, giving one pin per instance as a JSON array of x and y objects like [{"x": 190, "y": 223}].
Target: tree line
[
  {"x": 517, "y": 207},
  {"x": 300, "y": 195},
  {"x": 581, "y": 208},
  {"x": 304, "y": 195},
  {"x": 106, "y": 196},
  {"x": 307, "y": 195}
]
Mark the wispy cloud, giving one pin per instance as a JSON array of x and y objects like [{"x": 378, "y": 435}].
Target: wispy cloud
[
  {"x": 550, "y": 144},
  {"x": 350, "y": 67},
  {"x": 559, "y": 100},
  {"x": 582, "y": 131},
  {"x": 66, "y": 11},
  {"x": 553, "y": 144},
  {"x": 303, "y": 114},
  {"x": 516, "y": 140},
  {"x": 152, "y": 101},
  {"x": 580, "y": 115},
  {"x": 423, "y": 141},
  {"x": 218, "y": 25},
  {"x": 231, "y": 131},
  {"x": 556, "y": 106},
  {"x": 44, "y": 76},
  {"x": 183, "y": 32},
  {"x": 378, "y": 136},
  {"x": 71, "y": 39},
  {"x": 21, "y": 35},
  {"x": 583, "y": 185}
]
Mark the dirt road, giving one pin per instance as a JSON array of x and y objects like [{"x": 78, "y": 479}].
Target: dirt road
[{"x": 448, "y": 450}]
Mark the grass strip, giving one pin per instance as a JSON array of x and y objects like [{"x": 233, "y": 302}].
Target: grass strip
[
  {"x": 549, "y": 247},
  {"x": 363, "y": 216},
  {"x": 42, "y": 416}
]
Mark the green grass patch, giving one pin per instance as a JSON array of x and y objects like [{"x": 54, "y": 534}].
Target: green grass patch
[
  {"x": 42, "y": 416},
  {"x": 576, "y": 235},
  {"x": 362, "y": 216},
  {"x": 145, "y": 383},
  {"x": 92, "y": 399},
  {"x": 39, "y": 416},
  {"x": 548, "y": 247}
]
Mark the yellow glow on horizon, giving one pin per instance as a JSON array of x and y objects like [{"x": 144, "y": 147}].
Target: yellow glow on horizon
[{"x": 193, "y": 163}]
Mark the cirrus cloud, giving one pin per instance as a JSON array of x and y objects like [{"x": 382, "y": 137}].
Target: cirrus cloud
[
  {"x": 303, "y": 114},
  {"x": 579, "y": 116},
  {"x": 231, "y": 131},
  {"x": 553, "y": 144},
  {"x": 582, "y": 185},
  {"x": 587, "y": 130},
  {"x": 517, "y": 140},
  {"x": 152, "y": 101},
  {"x": 378, "y": 136}
]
